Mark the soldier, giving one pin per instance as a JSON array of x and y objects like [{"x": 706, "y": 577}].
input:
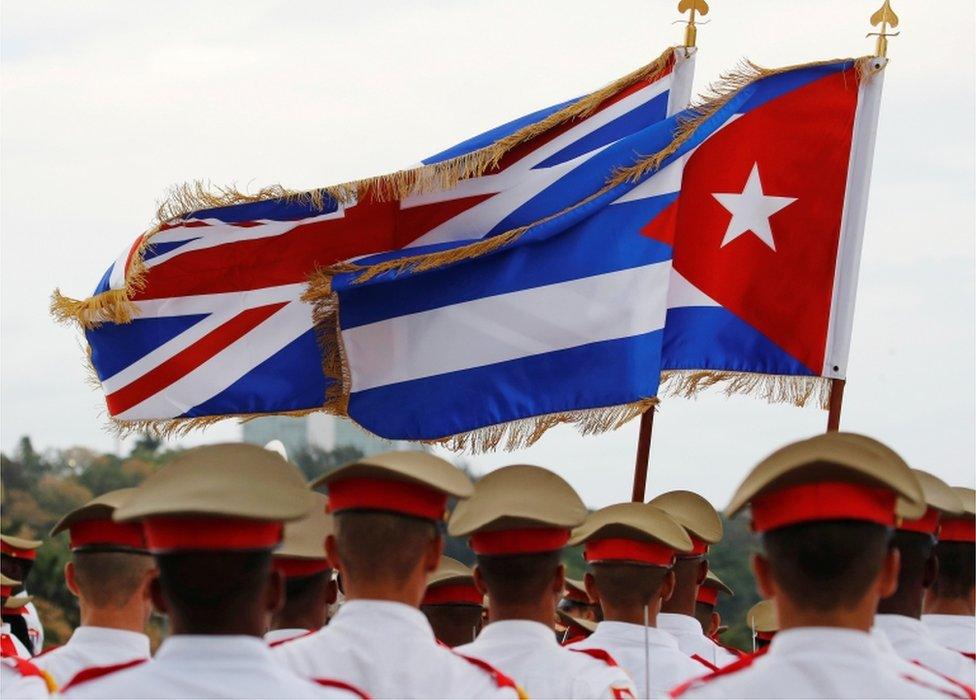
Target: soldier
[
  {"x": 631, "y": 549},
  {"x": 705, "y": 602},
  {"x": 825, "y": 508},
  {"x": 677, "y": 617},
  {"x": 211, "y": 519},
  {"x": 17, "y": 557},
  {"x": 518, "y": 521},
  {"x": 110, "y": 573},
  {"x": 310, "y": 587},
  {"x": 899, "y": 615},
  {"x": 577, "y": 604},
  {"x": 386, "y": 509},
  {"x": 950, "y": 603},
  {"x": 452, "y": 603},
  {"x": 11, "y": 645},
  {"x": 763, "y": 622}
]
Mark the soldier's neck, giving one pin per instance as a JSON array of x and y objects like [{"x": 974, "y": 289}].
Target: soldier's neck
[
  {"x": 860, "y": 617},
  {"x": 130, "y": 617},
  {"x": 629, "y": 614},
  {"x": 950, "y": 606},
  {"x": 543, "y": 612},
  {"x": 409, "y": 592}
]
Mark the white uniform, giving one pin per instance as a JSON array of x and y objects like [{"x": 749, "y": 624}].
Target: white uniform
[
  {"x": 914, "y": 669},
  {"x": 16, "y": 647},
  {"x": 34, "y": 627},
  {"x": 528, "y": 653},
  {"x": 206, "y": 666},
  {"x": 275, "y": 637},
  {"x": 815, "y": 662},
  {"x": 954, "y": 631},
  {"x": 92, "y": 646},
  {"x": 912, "y": 640},
  {"x": 16, "y": 684},
  {"x": 388, "y": 649},
  {"x": 625, "y": 642},
  {"x": 692, "y": 640}
]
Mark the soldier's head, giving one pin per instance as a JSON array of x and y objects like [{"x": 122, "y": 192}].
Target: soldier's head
[
  {"x": 387, "y": 508},
  {"x": 955, "y": 585},
  {"x": 517, "y": 522},
  {"x": 704, "y": 526},
  {"x": 17, "y": 555},
  {"x": 13, "y": 609},
  {"x": 452, "y": 603},
  {"x": 826, "y": 510},
  {"x": 577, "y": 604},
  {"x": 707, "y": 599}
]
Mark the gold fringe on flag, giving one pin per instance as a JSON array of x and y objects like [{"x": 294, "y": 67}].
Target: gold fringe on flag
[{"x": 773, "y": 388}]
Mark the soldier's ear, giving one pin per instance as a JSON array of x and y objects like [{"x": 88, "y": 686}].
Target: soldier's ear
[
  {"x": 592, "y": 589},
  {"x": 888, "y": 575},
  {"x": 559, "y": 581},
  {"x": 332, "y": 552},
  {"x": 69, "y": 578},
  {"x": 668, "y": 585},
  {"x": 931, "y": 570},
  {"x": 764, "y": 576},
  {"x": 274, "y": 592},
  {"x": 479, "y": 580},
  {"x": 702, "y": 570},
  {"x": 158, "y": 599},
  {"x": 714, "y": 623}
]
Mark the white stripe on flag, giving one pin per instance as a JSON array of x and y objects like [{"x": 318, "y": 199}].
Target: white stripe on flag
[{"x": 508, "y": 326}]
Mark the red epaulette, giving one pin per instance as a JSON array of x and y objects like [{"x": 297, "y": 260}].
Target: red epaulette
[
  {"x": 291, "y": 639},
  {"x": 332, "y": 683},
  {"x": 501, "y": 680},
  {"x": 704, "y": 662},
  {"x": 969, "y": 692},
  {"x": 599, "y": 654},
  {"x": 969, "y": 654},
  {"x": 735, "y": 666},
  {"x": 87, "y": 674}
]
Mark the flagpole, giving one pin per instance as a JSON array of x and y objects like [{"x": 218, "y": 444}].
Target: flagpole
[{"x": 836, "y": 403}]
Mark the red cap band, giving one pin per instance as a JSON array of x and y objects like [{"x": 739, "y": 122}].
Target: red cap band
[
  {"x": 173, "y": 532},
  {"x": 928, "y": 523},
  {"x": 958, "y": 530},
  {"x": 107, "y": 532},
  {"x": 14, "y": 611},
  {"x": 5, "y": 591},
  {"x": 825, "y": 500},
  {"x": 453, "y": 594},
  {"x": 406, "y": 497},
  {"x": 622, "y": 549},
  {"x": 294, "y": 567},
  {"x": 519, "y": 541},
  {"x": 707, "y": 595},
  {"x": 698, "y": 548},
  {"x": 17, "y": 552}
]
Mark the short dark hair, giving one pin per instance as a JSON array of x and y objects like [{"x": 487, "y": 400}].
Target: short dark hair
[
  {"x": 212, "y": 589},
  {"x": 628, "y": 585},
  {"x": 110, "y": 579},
  {"x": 454, "y": 625},
  {"x": 300, "y": 589},
  {"x": 915, "y": 549},
  {"x": 520, "y": 577},
  {"x": 957, "y": 569},
  {"x": 826, "y": 565},
  {"x": 375, "y": 543}
]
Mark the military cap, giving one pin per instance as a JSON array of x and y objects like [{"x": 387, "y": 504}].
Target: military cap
[
  {"x": 962, "y": 527},
  {"x": 412, "y": 483},
  {"x": 18, "y": 547},
  {"x": 519, "y": 509},
  {"x": 91, "y": 527},
  {"x": 7, "y": 586},
  {"x": 452, "y": 583},
  {"x": 232, "y": 496},
  {"x": 763, "y": 619},
  {"x": 575, "y": 591},
  {"x": 710, "y": 588},
  {"x": 576, "y": 624},
  {"x": 694, "y": 514},
  {"x": 631, "y": 532},
  {"x": 302, "y": 551},
  {"x": 940, "y": 500},
  {"x": 835, "y": 476}
]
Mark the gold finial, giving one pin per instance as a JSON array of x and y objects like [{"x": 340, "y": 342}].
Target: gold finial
[
  {"x": 887, "y": 18},
  {"x": 691, "y": 31}
]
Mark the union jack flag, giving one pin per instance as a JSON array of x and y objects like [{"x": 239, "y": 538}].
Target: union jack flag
[{"x": 220, "y": 328}]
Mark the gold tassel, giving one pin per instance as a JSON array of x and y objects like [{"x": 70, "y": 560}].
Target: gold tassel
[{"x": 773, "y": 388}]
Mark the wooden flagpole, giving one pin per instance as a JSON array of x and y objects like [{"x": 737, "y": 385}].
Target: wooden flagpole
[{"x": 836, "y": 403}]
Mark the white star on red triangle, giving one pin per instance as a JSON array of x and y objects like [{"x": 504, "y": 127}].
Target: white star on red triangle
[{"x": 751, "y": 210}]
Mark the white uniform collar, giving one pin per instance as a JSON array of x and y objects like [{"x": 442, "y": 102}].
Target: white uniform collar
[
  {"x": 631, "y": 632},
  {"x": 210, "y": 648},
  {"x": 900, "y": 626},
  {"x": 522, "y": 630},
  {"x": 398, "y": 617},
  {"x": 126, "y": 640},
  {"x": 677, "y": 622},
  {"x": 272, "y": 636},
  {"x": 835, "y": 641}
]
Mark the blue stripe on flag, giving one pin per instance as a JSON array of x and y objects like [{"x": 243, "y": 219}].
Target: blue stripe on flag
[
  {"x": 270, "y": 209},
  {"x": 584, "y": 251},
  {"x": 103, "y": 284},
  {"x": 290, "y": 380},
  {"x": 115, "y": 346},
  {"x": 712, "y": 337},
  {"x": 616, "y": 372},
  {"x": 778, "y": 85}
]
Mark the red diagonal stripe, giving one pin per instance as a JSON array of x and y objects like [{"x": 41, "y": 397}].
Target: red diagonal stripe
[{"x": 188, "y": 359}]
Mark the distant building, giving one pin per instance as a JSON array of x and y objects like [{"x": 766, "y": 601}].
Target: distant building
[{"x": 317, "y": 430}]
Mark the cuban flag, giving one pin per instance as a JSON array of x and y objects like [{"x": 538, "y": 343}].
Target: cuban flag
[
  {"x": 204, "y": 317},
  {"x": 768, "y": 232}
]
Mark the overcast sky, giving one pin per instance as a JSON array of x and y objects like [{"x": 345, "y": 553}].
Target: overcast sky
[{"x": 106, "y": 104}]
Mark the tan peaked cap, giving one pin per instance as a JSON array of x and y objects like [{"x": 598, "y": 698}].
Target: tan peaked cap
[
  {"x": 18, "y": 601},
  {"x": 938, "y": 495},
  {"x": 20, "y": 542},
  {"x": 908, "y": 510},
  {"x": 100, "y": 507},
  {"x": 967, "y": 497},
  {"x": 633, "y": 521},
  {"x": 830, "y": 456},
  {"x": 518, "y": 496},
  {"x": 570, "y": 621},
  {"x": 449, "y": 571},
  {"x": 411, "y": 466},
  {"x": 232, "y": 480},
  {"x": 305, "y": 538},
  {"x": 692, "y": 512},
  {"x": 575, "y": 590},
  {"x": 7, "y": 581},
  {"x": 713, "y": 581},
  {"x": 763, "y": 616}
]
